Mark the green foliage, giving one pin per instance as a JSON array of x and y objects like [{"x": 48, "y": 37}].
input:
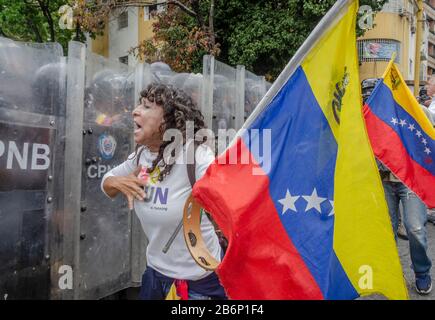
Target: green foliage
[
  {"x": 25, "y": 20},
  {"x": 261, "y": 34},
  {"x": 264, "y": 35},
  {"x": 178, "y": 40}
]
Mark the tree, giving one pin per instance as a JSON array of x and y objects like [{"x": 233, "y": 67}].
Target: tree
[
  {"x": 182, "y": 36},
  {"x": 264, "y": 35},
  {"x": 91, "y": 15},
  {"x": 183, "y": 33},
  {"x": 35, "y": 21},
  {"x": 260, "y": 34}
]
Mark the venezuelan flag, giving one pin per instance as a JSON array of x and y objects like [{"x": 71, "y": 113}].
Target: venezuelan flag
[
  {"x": 401, "y": 135},
  {"x": 178, "y": 291},
  {"x": 310, "y": 221}
]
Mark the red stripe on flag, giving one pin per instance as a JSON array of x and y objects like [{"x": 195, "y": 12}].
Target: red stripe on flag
[
  {"x": 261, "y": 261},
  {"x": 388, "y": 148}
]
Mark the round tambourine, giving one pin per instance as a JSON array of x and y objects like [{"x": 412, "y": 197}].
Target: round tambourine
[{"x": 193, "y": 237}]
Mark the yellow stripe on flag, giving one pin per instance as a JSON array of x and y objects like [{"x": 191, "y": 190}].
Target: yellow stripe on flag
[
  {"x": 363, "y": 237},
  {"x": 172, "y": 294}
]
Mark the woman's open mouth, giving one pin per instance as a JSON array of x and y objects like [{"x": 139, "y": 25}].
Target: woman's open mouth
[{"x": 137, "y": 127}]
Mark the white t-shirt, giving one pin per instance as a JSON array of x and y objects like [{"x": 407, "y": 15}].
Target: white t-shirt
[{"x": 162, "y": 211}]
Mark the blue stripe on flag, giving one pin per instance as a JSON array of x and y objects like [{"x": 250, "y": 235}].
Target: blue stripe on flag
[
  {"x": 302, "y": 179},
  {"x": 413, "y": 137}
]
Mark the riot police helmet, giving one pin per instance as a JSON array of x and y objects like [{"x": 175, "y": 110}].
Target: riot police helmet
[
  {"x": 367, "y": 86},
  {"x": 49, "y": 89},
  {"x": 161, "y": 72},
  {"x": 193, "y": 86},
  {"x": 178, "y": 80}
]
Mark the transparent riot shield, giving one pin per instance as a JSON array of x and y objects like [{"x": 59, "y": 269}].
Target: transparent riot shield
[
  {"x": 219, "y": 100},
  {"x": 32, "y": 124},
  {"x": 178, "y": 79},
  {"x": 161, "y": 72},
  {"x": 240, "y": 98},
  {"x": 105, "y": 261},
  {"x": 208, "y": 62},
  {"x": 255, "y": 89},
  {"x": 143, "y": 77},
  {"x": 224, "y": 97},
  {"x": 191, "y": 83},
  {"x": 250, "y": 89}
]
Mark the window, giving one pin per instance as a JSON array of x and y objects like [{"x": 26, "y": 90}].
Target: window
[
  {"x": 123, "y": 20},
  {"x": 148, "y": 10},
  {"x": 393, "y": 6},
  {"x": 378, "y": 50},
  {"x": 431, "y": 51},
  {"x": 146, "y": 13},
  {"x": 161, "y": 8},
  {"x": 431, "y": 26},
  {"x": 124, "y": 60}
]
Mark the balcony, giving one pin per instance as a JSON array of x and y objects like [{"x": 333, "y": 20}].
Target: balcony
[
  {"x": 431, "y": 37},
  {"x": 430, "y": 11},
  {"x": 135, "y": 3},
  {"x": 431, "y": 61}
]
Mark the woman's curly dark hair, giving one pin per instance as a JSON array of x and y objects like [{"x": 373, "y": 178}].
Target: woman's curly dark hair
[{"x": 178, "y": 108}]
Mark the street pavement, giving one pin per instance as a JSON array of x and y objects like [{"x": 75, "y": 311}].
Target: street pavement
[
  {"x": 403, "y": 246},
  {"x": 405, "y": 258}
]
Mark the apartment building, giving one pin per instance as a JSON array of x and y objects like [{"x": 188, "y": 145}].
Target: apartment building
[
  {"x": 395, "y": 31},
  {"x": 125, "y": 29}
]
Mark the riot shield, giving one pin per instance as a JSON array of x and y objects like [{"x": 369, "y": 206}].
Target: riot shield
[
  {"x": 161, "y": 72},
  {"x": 255, "y": 89},
  {"x": 32, "y": 120},
  {"x": 105, "y": 225},
  {"x": 207, "y": 89},
  {"x": 219, "y": 96},
  {"x": 190, "y": 83},
  {"x": 224, "y": 97}
]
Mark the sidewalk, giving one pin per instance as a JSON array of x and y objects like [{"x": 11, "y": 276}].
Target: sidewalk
[{"x": 406, "y": 264}]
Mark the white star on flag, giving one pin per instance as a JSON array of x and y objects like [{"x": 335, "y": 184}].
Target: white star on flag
[
  {"x": 332, "y": 210},
  {"x": 394, "y": 121},
  {"x": 424, "y": 141},
  {"x": 402, "y": 122},
  {"x": 427, "y": 150},
  {"x": 418, "y": 133},
  {"x": 314, "y": 201},
  {"x": 411, "y": 127},
  {"x": 288, "y": 202}
]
